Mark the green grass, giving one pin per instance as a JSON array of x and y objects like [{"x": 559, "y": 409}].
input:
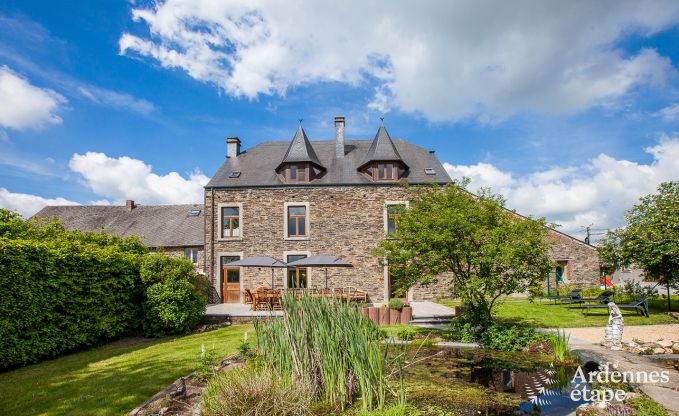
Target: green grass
[
  {"x": 546, "y": 314},
  {"x": 111, "y": 379}
]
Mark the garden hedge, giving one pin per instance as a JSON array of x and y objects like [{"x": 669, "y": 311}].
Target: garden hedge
[{"x": 62, "y": 290}]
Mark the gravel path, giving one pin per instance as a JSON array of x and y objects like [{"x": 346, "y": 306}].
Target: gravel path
[{"x": 643, "y": 332}]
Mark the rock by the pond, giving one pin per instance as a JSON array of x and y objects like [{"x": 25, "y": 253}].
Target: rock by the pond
[
  {"x": 613, "y": 332},
  {"x": 665, "y": 343},
  {"x": 675, "y": 348}
]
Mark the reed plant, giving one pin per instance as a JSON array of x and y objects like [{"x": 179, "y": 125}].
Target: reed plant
[
  {"x": 560, "y": 346},
  {"x": 327, "y": 346}
]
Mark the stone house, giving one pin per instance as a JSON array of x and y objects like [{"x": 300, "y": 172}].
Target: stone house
[
  {"x": 339, "y": 197},
  {"x": 177, "y": 230}
]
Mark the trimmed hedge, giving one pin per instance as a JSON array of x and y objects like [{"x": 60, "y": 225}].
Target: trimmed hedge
[
  {"x": 54, "y": 300},
  {"x": 62, "y": 290}
]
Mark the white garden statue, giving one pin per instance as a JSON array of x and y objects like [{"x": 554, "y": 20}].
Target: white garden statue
[{"x": 613, "y": 332}]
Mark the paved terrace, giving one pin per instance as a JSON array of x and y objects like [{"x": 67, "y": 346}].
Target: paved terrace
[{"x": 421, "y": 310}]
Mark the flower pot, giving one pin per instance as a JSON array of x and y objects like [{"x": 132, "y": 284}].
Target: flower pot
[
  {"x": 384, "y": 316},
  {"x": 374, "y": 315},
  {"x": 394, "y": 316},
  {"x": 406, "y": 314}
]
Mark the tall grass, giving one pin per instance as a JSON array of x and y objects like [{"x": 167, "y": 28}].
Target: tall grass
[
  {"x": 560, "y": 346},
  {"x": 327, "y": 346}
]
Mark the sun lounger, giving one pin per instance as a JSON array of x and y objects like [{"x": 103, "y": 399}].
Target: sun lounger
[
  {"x": 640, "y": 305},
  {"x": 604, "y": 297},
  {"x": 572, "y": 297}
]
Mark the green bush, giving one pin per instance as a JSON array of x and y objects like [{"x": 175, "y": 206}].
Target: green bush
[
  {"x": 172, "y": 307},
  {"x": 176, "y": 295},
  {"x": 63, "y": 290},
  {"x": 506, "y": 338}
]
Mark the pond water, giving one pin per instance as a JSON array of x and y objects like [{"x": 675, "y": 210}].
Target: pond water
[{"x": 468, "y": 381}]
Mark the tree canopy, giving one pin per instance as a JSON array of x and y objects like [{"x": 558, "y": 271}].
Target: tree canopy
[
  {"x": 651, "y": 237},
  {"x": 487, "y": 251}
]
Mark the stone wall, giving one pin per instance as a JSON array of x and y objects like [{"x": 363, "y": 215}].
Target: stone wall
[
  {"x": 179, "y": 252},
  {"x": 581, "y": 260},
  {"x": 347, "y": 222}
]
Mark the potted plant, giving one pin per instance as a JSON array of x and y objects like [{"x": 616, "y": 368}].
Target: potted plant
[{"x": 395, "y": 307}]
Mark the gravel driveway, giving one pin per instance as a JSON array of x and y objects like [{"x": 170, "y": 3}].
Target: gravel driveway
[{"x": 643, "y": 332}]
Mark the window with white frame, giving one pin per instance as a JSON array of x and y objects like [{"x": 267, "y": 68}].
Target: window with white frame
[
  {"x": 230, "y": 221},
  {"x": 296, "y": 220}
]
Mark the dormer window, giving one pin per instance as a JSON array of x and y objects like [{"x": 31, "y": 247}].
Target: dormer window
[
  {"x": 297, "y": 173},
  {"x": 384, "y": 171}
]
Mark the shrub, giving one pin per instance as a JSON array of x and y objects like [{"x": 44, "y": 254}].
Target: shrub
[
  {"x": 506, "y": 338},
  {"x": 175, "y": 296},
  {"x": 172, "y": 307},
  {"x": 63, "y": 290},
  {"x": 247, "y": 391},
  {"x": 590, "y": 292},
  {"x": 396, "y": 304}
]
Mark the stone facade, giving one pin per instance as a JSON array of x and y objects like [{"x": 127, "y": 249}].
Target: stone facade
[
  {"x": 344, "y": 221},
  {"x": 180, "y": 252},
  {"x": 580, "y": 260}
]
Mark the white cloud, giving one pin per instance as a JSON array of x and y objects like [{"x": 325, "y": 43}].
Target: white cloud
[
  {"x": 27, "y": 204},
  {"x": 447, "y": 61},
  {"x": 23, "y": 105},
  {"x": 126, "y": 178},
  {"x": 597, "y": 192},
  {"x": 116, "y": 99},
  {"x": 669, "y": 113}
]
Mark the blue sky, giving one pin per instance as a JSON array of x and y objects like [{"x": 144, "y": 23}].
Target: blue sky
[{"x": 571, "y": 110}]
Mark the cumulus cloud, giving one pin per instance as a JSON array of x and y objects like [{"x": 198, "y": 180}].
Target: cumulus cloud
[
  {"x": 27, "y": 204},
  {"x": 126, "y": 178},
  {"x": 597, "y": 192},
  {"x": 447, "y": 61},
  {"x": 23, "y": 105}
]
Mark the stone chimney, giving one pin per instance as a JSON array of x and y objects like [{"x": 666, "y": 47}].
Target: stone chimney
[
  {"x": 129, "y": 204},
  {"x": 339, "y": 136},
  {"x": 232, "y": 147}
]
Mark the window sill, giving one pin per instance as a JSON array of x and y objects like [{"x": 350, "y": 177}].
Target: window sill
[
  {"x": 230, "y": 239},
  {"x": 297, "y": 238}
]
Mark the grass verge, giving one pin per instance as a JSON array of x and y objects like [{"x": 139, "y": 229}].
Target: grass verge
[
  {"x": 111, "y": 379},
  {"x": 547, "y": 314}
]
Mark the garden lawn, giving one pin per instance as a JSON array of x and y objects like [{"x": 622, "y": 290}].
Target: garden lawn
[
  {"x": 111, "y": 379},
  {"x": 546, "y": 314}
]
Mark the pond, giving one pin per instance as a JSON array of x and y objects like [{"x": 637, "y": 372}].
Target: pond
[{"x": 465, "y": 381}]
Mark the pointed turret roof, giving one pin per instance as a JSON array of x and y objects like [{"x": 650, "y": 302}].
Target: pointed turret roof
[
  {"x": 382, "y": 149},
  {"x": 300, "y": 150}
]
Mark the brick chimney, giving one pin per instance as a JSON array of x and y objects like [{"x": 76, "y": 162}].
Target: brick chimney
[
  {"x": 232, "y": 147},
  {"x": 339, "y": 136},
  {"x": 129, "y": 204}
]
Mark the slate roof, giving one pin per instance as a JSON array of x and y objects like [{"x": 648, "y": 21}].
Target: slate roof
[
  {"x": 156, "y": 225},
  {"x": 382, "y": 149},
  {"x": 257, "y": 165},
  {"x": 300, "y": 150}
]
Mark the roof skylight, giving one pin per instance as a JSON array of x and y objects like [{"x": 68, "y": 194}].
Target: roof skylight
[{"x": 234, "y": 174}]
